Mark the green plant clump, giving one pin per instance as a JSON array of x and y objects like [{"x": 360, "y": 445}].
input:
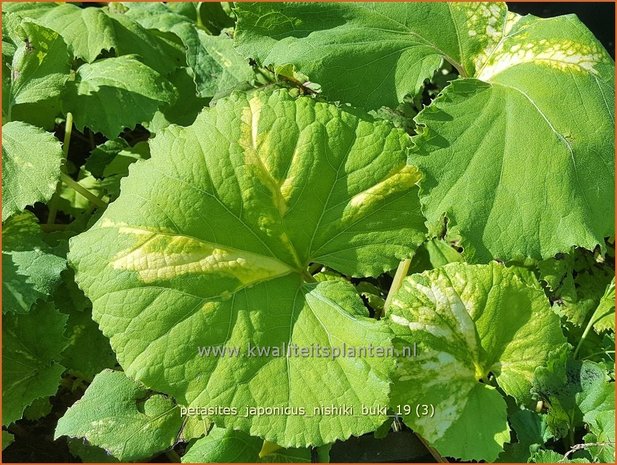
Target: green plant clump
[{"x": 265, "y": 232}]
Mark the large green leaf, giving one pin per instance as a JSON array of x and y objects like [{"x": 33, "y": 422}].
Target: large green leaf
[
  {"x": 472, "y": 324},
  {"x": 186, "y": 107},
  {"x": 30, "y": 268},
  {"x": 368, "y": 54},
  {"x": 120, "y": 416},
  {"x": 115, "y": 93},
  {"x": 476, "y": 130},
  {"x": 31, "y": 348},
  {"x": 31, "y": 160},
  {"x": 514, "y": 167},
  {"x": 210, "y": 241},
  {"x": 530, "y": 166},
  {"x": 29, "y": 9}
]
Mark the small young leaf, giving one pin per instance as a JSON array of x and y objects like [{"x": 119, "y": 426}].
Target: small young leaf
[
  {"x": 31, "y": 269},
  {"x": 109, "y": 163},
  {"x": 31, "y": 348},
  {"x": 194, "y": 427},
  {"x": 564, "y": 388},
  {"x": 40, "y": 64},
  {"x": 604, "y": 317},
  {"x": 104, "y": 154},
  {"x": 597, "y": 404},
  {"x": 88, "y": 351},
  {"x": 31, "y": 160},
  {"x": 119, "y": 416},
  {"x": 577, "y": 283},
  {"x": 531, "y": 433},
  {"x": 116, "y": 93}
]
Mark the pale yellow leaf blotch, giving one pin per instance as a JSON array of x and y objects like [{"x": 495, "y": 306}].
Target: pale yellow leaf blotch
[
  {"x": 398, "y": 180},
  {"x": 483, "y": 19},
  {"x": 254, "y": 149},
  {"x": 161, "y": 256},
  {"x": 564, "y": 55}
]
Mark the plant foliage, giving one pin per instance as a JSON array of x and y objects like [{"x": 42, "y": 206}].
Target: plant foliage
[{"x": 193, "y": 192}]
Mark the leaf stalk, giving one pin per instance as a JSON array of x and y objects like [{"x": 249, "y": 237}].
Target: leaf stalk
[
  {"x": 397, "y": 282},
  {"x": 53, "y": 203},
  {"x": 592, "y": 321},
  {"x": 69, "y": 181}
]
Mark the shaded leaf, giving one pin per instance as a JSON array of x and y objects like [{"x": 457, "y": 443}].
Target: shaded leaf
[
  {"x": 116, "y": 93},
  {"x": 215, "y": 65},
  {"x": 31, "y": 269},
  {"x": 368, "y": 54},
  {"x": 604, "y": 316},
  {"x": 31, "y": 348},
  {"x": 119, "y": 416}
]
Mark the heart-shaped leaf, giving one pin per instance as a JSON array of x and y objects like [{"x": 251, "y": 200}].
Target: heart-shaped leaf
[{"x": 208, "y": 247}]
